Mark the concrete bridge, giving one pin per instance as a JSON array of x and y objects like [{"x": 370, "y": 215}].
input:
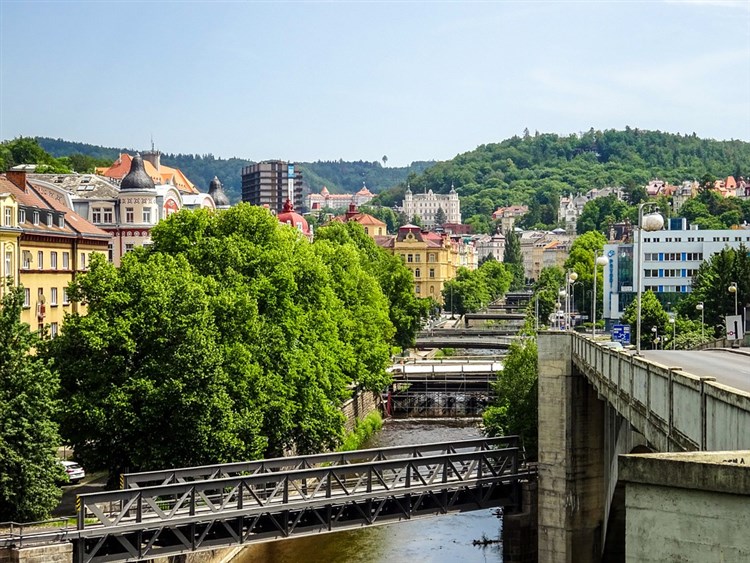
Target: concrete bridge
[{"x": 595, "y": 504}]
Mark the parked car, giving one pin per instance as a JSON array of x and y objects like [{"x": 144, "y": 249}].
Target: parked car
[
  {"x": 74, "y": 471},
  {"x": 613, "y": 345}
]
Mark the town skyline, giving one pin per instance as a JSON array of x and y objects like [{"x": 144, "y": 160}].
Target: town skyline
[{"x": 412, "y": 81}]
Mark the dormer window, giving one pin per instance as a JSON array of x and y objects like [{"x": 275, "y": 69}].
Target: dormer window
[
  {"x": 21, "y": 216},
  {"x": 8, "y": 216},
  {"x": 49, "y": 219},
  {"x": 36, "y": 218},
  {"x": 61, "y": 221}
]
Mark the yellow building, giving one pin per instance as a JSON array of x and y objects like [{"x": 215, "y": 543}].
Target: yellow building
[
  {"x": 54, "y": 245},
  {"x": 10, "y": 232},
  {"x": 432, "y": 258}
]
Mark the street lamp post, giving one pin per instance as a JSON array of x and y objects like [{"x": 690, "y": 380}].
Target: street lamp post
[
  {"x": 536, "y": 312},
  {"x": 571, "y": 279},
  {"x": 699, "y": 307},
  {"x": 651, "y": 222},
  {"x": 598, "y": 261},
  {"x": 655, "y": 343},
  {"x": 452, "y": 315},
  {"x": 674, "y": 330},
  {"x": 733, "y": 289}
]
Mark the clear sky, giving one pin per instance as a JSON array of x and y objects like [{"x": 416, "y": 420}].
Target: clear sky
[{"x": 358, "y": 80}]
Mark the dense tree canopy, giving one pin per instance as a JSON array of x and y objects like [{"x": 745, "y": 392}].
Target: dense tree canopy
[
  {"x": 581, "y": 261},
  {"x": 514, "y": 410},
  {"x": 28, "y": 435},
  {"x": 474, "y": 290},
  {"x": 229, "y": 338}
]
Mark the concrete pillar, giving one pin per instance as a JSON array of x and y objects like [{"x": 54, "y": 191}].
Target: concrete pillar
[{"x": 571, "y": 458}]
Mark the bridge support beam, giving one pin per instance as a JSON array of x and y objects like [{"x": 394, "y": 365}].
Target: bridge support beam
[{"x": 572, "y": 468}]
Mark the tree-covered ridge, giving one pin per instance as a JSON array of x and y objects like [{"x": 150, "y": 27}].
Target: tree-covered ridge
[
  {"x": 338, "y": 176},
  {"x": 521, "y": 170}
]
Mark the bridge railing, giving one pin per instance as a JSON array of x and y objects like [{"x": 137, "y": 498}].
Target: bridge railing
[
  {"x": 276, "y": 491},
  {"x": 224, "y": 470},
  {"x": 672, "y": 408}
]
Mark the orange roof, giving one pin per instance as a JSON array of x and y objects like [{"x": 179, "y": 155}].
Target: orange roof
[
  {"x": 45, "y": 198},
  {"x": 165, "y": 174}
]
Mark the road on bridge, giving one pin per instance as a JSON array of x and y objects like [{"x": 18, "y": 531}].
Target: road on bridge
[{"x": 729, "y": 368}]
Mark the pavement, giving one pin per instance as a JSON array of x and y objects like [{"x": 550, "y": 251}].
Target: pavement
[
  {"x": 730, "y": 366},
  {"x": 92, "y": 483}
]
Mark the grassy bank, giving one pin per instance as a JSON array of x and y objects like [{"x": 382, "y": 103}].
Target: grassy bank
[{"x": 363, "y": 431}]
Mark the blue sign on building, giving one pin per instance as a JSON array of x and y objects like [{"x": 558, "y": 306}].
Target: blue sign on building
[{"x": 621, "y": 333}]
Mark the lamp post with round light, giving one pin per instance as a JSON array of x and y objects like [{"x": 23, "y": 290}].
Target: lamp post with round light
[
  {"x": 571, "y": 279},
  {"x": 733, "y": 289},
  {"x": 655, "y": 343},
  {"x": 651, "y": 222},
  {"x": 598, "y": 261},
  {"x": 699, "y": 307}
]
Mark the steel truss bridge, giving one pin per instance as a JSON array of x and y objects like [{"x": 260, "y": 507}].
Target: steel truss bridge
[
  {"x": 436, "y": 390},
  {"x": 215, "y": 506}
]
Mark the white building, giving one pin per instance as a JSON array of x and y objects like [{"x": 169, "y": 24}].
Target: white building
[
  {"x": 487, "y": 245},
  {"x": 670, "y": 260},
  {"x": 426, "y": 206}
]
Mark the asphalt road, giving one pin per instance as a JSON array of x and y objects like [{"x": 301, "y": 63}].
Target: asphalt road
[{"x": 729, "y": 368}]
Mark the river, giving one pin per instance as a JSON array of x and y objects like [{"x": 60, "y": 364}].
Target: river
[{"x": 441, "y": 539}]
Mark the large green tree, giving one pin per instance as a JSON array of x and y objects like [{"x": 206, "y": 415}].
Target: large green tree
[
  {"x": 513, "y": 259},
  {"x": 229, "y": 338},
  {"x": 514, "y": 410},
  {"x": 653, "y": 316},
  {"x": 29, "y": 438},
  {"x": 581, "y": 260}
]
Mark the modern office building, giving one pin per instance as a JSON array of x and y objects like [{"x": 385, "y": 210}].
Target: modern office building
[
  {"x": 270, "y": 183},
  {"x": 670, "y": 260}
]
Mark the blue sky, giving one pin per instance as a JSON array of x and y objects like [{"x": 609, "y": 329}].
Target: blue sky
[{"x": 358, "y": 80}]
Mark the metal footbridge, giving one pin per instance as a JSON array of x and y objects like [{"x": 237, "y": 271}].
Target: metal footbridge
[{"x": 177, "y": 511}]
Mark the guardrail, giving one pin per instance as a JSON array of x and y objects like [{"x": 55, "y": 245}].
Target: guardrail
[
  {"x": 24, "y": 534},
  {"x": 673, "y": 409},
  {"x": 223, "y": 470}
]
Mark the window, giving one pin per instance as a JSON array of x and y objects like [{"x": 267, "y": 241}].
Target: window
[
  {"x": 8, "y": 217},
  {"x": 111, "y": 252},
  {"x": 40, "y": 260},
  {"x": 432, "y": 273},
  {"x": 8, "y": 264},
  {"x": 66, "y": 261},
  {"x": 53, "y": 330},
  {"x": 417, "y": 257},
  {"x": 108, "y": 216},
  {"x": 26, "y": 297},
  {"x": 128, "y": 214},
  {"x": 83, "y": 261},
  {"x": 96, "y": 215},
  {"x": 128, "y": 247},
  {"x": 410, "y": 258},
  {"x": 49, "y": 219},
  {"x": 417, "y": 273},
  {"x": 417, "y": 290},
  {"x": 53, "y": 297},
  {"x": 53, "y": 260},
  {"x": 61, "y": 221},
  {"x": 26, "y": 259},
  {"x": 21, "y": 215},
  {"x": 147, "y": 215},
  {"x": 36, "y": 218},
  {"x": 66, "y": 301}
]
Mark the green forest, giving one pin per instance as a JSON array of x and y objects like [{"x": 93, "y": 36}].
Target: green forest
[
  {"x": 338, "y": 176},
  {"x": 537, "y": 169}
]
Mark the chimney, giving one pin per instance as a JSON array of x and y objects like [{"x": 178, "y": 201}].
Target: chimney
[{"x": 18, "y": 177}]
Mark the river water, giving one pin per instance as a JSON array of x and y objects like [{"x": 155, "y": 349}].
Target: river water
[{"x": 441, "y": 539}]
